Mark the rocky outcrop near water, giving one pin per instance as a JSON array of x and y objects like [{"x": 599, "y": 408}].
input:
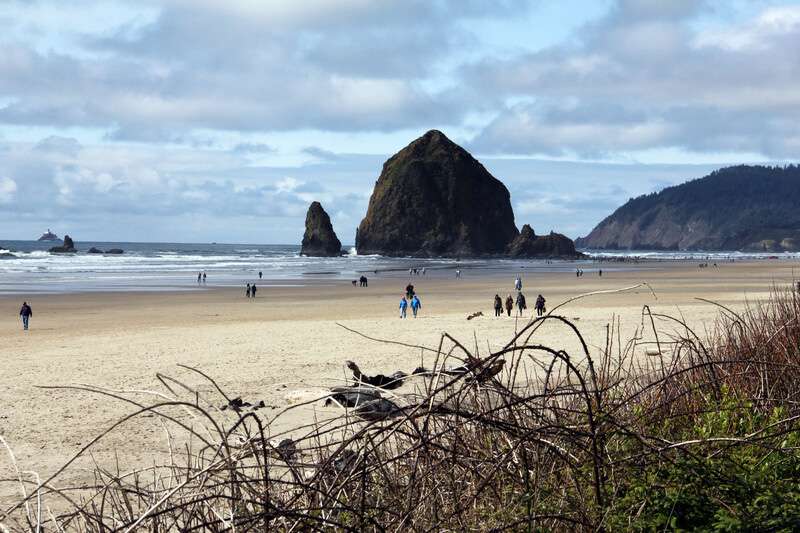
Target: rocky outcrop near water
[
  {"x": 319, "y": 239},
  {"x": 433, "y": 199},
  {"x": 528, "y": 245},
  {"x": 745, "y": 207},
  {"x": 67, "y": 247}
]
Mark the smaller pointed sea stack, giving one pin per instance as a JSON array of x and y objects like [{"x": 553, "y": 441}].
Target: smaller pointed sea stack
[
  {"x": 67, "y": 247},
  {"x": 319, "y": 240},
  {"x": 528, "y": 245}
]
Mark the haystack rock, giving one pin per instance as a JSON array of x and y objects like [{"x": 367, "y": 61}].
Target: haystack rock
[
  {"x": 434, "y": 199},
  {"x": 67, "y": 247},
  {"x": 528, "y": 245},
  {"x": 319, "y": 239}
]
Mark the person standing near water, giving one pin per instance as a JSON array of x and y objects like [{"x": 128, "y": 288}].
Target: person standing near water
[
  {"x": 253, "y": 290},
  {"x": 403, "y": 307},
  {"x": 25, "y": 312},
  {"x": 248, "y": 291},
  {"x": 498, "y": 305},
  {"x": 509, "y": 304}
]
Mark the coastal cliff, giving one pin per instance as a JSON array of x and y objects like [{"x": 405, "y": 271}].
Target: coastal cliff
[{"x": 748, "y": 208}]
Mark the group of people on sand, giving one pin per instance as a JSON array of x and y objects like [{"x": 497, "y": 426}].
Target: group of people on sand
[
  {"x": 409, "y": 300},
  {"x": 520, "y": 302}
]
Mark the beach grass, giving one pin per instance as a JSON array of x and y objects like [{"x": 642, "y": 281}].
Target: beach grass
[{"x": 671, "y": 429}]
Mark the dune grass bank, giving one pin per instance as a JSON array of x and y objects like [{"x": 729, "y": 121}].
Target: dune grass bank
[{"x": 673, "y": 429}]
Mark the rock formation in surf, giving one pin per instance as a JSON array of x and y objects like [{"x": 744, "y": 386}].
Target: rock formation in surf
[
  {"x": 528, "y": 245},
  {"x": 319, "y": 239},
  {"x": 67, "y": 247}
]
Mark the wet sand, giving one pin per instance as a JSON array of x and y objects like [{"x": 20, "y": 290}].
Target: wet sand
[{"x": 292, "y": 341}]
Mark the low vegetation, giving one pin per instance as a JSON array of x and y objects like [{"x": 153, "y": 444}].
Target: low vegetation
[{"x": 669, "y": 431}]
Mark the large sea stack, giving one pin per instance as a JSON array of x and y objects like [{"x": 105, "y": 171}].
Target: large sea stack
[
  {"x": 434, "y": 199},
  {"x": 67, "y": 247},
  {"x": 319, "y": 239}
]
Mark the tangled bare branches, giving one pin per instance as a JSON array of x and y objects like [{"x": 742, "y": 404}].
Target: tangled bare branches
[{"x": 690, "y": 432}]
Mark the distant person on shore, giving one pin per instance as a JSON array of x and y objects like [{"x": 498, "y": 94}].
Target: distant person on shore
[
  {"x": 518, "y": 284},
  {"x": 248, "y": 291},
  {"x": 509, "y": 304},
  {"x": 260, "y": 274},
  {"x": 498, "y": 305},
  {"x": 540, "y": 305},
  {"x": 415, "y": 305},
  {"x": 458, "y": 273},
  {"x": 199, "y": 276},
  {"x": 204, "y": 277},
  {"x": 403, "y": 307},
  {"x": 253, "y": 290},
  {"x": 409, "y": 290},
  {"x": 600, "y": 273},
  {"x": 25, "y": 312},
  {"x": 521, "y": 303}
]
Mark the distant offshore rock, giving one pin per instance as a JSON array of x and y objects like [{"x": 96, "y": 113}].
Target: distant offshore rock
[
  {"x": 48, "y": 236},
  {"x": 94, "y": 250},
  {"x": 67, "y": 247},
  {"x": 433, "y": 199},
  {"x": 528, "y": 245},
  {"x": 319, "y": 239}
]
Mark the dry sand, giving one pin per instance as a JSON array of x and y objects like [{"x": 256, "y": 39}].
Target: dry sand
[{"x": 290, "y": 338}]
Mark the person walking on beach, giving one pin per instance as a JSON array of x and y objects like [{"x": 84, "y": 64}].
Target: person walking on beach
[
  {"x": 199, "y": 277},
  {"x": 260, "y": 274},
  {"x": 540, "y": 305},
  {"x": 204, "y": 277},
  {"x": 409, "y": 290},
  {"x": 521, "y": 303},
  {"x": 25, "y": 312},
  {"x": 403, "y": 306},
  {"x": 498, "y": 305},
  {"x": 509, "y": 304},
  {"x": 415, "y": 305},
  {"x": 253, "y": 290},
  {"x": 518, "y": 284},
  {"x": 248, "y": 291}
]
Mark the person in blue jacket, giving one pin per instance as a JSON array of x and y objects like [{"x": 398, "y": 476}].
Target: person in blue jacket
[
  {"x": 403, "y": 307},
  {"x": 415, "y": 305}
]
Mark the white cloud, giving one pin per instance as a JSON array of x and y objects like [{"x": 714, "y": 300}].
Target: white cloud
[{"x": 8, "y": 189}]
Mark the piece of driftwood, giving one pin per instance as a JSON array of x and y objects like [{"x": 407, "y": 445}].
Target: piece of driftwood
[{"x": 392, "y": 381}]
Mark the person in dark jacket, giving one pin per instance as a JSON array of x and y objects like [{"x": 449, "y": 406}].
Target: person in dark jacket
[
  {"x": 25, "y": 312},
  {"x": 498, "y": 305},
  {"x": 509, "y": 304},
  {"x": 521, "y": 303},
  {"x": 540, "y": 305}
]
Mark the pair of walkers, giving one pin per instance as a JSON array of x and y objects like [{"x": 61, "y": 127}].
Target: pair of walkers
[
  {"x": 251, "y": 290},
  {"x": 413, "y": 302}
]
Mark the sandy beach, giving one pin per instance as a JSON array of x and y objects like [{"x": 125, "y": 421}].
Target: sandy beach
[{"x": 295, "y": 340}]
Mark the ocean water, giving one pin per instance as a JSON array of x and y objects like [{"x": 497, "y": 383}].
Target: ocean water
[{"x": 27, "y": 268}]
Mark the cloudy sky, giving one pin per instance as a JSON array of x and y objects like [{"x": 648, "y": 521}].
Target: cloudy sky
[{"x": 221, "y": 120}]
